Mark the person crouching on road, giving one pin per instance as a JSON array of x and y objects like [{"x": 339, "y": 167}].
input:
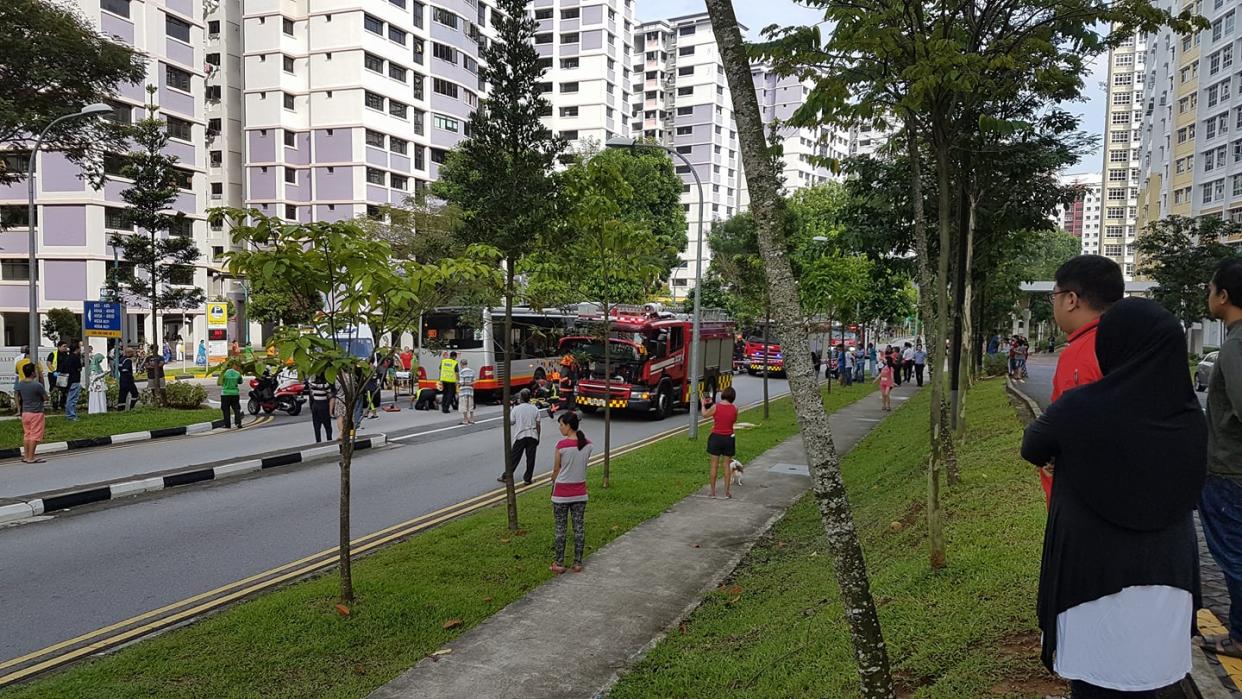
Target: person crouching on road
[
  {"x": 721, "y": 445},
  {"x": 569, "y": 490},
  {"x": 31, "y": 397}
]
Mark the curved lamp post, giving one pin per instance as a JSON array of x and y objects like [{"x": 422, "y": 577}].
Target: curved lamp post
[
  {"x": 696, "y": 358},
  {"x": 97, "y": 109}
]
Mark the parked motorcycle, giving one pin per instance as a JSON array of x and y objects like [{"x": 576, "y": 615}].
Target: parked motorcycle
[{"x": 269, "y": 395}]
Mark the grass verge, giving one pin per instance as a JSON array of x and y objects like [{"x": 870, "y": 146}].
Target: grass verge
[
  {"x": 413, "y": 597},
  {"x": 776, "y": 629},
  {"x": 59, "y": 429}
]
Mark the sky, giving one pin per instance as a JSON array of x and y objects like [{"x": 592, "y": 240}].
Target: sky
[{"x": 757, "y": 14}]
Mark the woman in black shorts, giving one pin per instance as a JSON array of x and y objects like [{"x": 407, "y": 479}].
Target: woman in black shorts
[{"x": 721, "y": 445}]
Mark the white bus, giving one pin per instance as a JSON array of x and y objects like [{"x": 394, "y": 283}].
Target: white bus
[{"x": 476, "y": 335}]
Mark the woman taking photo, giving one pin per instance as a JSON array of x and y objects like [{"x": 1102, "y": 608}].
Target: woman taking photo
[
  {"x": 569, "y": 490},
  {"x": 1119, "y": 579},
  {"x": 721, "y": 445}
]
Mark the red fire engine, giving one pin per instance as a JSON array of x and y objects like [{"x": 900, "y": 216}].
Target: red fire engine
[
  {"x": 650, "y": 360},
  {"x": 754, "y": 355}
]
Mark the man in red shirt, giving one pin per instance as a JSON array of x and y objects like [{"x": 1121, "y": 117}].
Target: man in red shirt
[{"x": 1086, "y": 286}]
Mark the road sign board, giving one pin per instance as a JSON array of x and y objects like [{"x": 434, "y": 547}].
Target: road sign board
[{"x": 102, "y": 318}]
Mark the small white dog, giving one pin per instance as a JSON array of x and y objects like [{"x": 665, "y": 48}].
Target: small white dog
[{"x": 736, "y": 471}]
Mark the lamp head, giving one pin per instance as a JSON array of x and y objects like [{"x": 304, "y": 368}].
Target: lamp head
[
  {"x": 97, "y": 109},
  {"x": 620, "y": 142}
]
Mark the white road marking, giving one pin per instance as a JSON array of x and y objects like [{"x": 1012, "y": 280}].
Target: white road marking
[{"x": 443, "y": 429}]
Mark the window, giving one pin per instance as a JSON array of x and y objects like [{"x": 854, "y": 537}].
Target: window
[
  {"x": 373, "y": 100},
  {"x": 291, "y": 175},
  {"x": 1118, "y": 156},
  {"x": 444, "y": 87},
  {"x": 685, "y": 130},
  {"x": 685, "y": 51},
  {"x": 177, "y": 78},
  {"x": 438, "y": 155},
  {"x": 399, "y": 182},
  {"x": 569, "y": 111},
  {"x": 372, "y": 24},
  {"x": 116, "y": 219},
  {"x": 569, "y": 38},
  {"x": 570, "y": 14},
  {"x": 569, "y": 63},
  {"x": 685, "y": 111},
  {"x": 570, "y": 135},
  {"x": 446, "y": 18},
  {"x": 375, "y": 176},
  {"x": 213, "y": 126},
  {"x": 290, "y": 102},
  {"x": 683, "y": 91},
  {"x": 179, "y": 129},
  {"x": 397, "y": 35},
  {"x": 444, "y": 53},
  {"x": 541, "y": 39},
  {"x": 685, "y": 70},
  {"x": 373, "y": 62},
  {"x": 418, "y": 86},
  {"x": 1125, "y": 59},
  {"x": 287, "y": 26},
  {"x": 176, "y": 28},
  {"x": 420, "y": 162},
  {"x": 685, "y": 31},
  {"x": 569, "y": 87},
  {"x": 116, "y": 7},
  {"x": 215, "y": 158},
  {"x": 445, "y": 123},
  {"x": 396, "y": 72},
  {"x": 1116, "y": 175},
  {"x": 418, "y": 119},
  {"x": 183, "y": 178},
  {"x": 418, "y": 51},
  {"x": 396, "y": 145},
  {"x": 213, "y": 93},
  {"x": 543, "y": 14},
  {"x": 397, "y": 109},
  {"x": 15, "y": 270},
  {"x": 213, "y": 59},
  {"x": 288, "y": 64},
  {"x": 291, "y": 139},
  {"x": 375, "y": 138}
]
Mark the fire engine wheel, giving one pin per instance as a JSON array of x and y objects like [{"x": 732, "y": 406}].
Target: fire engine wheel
[
  {"x": 664, "y": 403},
  {"x": 750, "y": 371},
  {"x": 252, "y": 406},
  {"x": 591, "y": 409}
]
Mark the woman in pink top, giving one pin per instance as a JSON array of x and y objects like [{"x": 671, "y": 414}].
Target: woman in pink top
[
  {"x": 721, "y": 445},
  {"x": 569, "y": 489},
  {"x": 885, "y": 379}
]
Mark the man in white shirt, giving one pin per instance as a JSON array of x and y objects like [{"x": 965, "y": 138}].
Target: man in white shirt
[
  {"x": 525, "y": 420},
  {"x": 907, "y": 363}
]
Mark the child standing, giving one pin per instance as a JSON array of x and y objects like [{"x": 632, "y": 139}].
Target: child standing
[
  {"x": 569, "y": 490},
  {"x": 885, "y": 379}
]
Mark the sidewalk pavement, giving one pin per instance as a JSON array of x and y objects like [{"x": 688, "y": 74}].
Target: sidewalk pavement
[
  {"x": 64, "y": 470},
  {"x": 632, "y": 591}
]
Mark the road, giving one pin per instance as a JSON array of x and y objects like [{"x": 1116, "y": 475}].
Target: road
[{"x": 99, "y": 565}]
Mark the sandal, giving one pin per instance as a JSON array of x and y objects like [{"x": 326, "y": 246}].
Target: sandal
[
  {"x": 577, "y": 568},
  {"x": 1220, "y": 645},
  {"x": 557, "y": 568}
]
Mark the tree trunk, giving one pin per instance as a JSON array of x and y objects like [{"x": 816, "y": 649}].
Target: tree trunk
[
  {"x": 935, "y": 527},
  {"x": 831, "y": 354},
  {"x": 352, "y": 396},
  {"x": 157, "y": 391},
  {"x": 607, "y": 394},
  {"x": 959, "y": 291},
  {"x": 506, "y": 396},
  {"x": 772, "y": 222},
  {"x": 767, "y": 321}
]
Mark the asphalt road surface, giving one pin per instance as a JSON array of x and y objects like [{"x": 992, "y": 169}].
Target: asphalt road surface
[{"x": 74, "y": 573}]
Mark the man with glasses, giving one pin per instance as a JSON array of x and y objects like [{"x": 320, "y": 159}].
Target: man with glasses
[{"x": 1086, "y": 286}]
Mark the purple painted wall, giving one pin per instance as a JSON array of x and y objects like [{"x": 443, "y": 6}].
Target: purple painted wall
[
  {"x": 187, "y": 204},
  {"x": 262, "y": 146},
  {"x": 14, "y": 241},
  {"x": 180, "y": 52},
  {"x": 262, "y": 184},
  {"x": 15, "y": 295},
  {"x": 377, "y": 194},
  {"x": 301, "y": 154},
  {"x": 64, "y": 280},
  {"x": 15, "y": 190},
  {"x": 334, "y": 148},
  {"x": 111, "y": 25},
  {"x": 590, "y": 40},
  {"x": 301, "y": 190},
  {"x": 113, "y": 189},
  {"x": 338, "y": 213},
  {"x": 593, "y": 14},
  {"x": 378, "y": 157},
  {"x": 64, "y": 225},
  {"x": 133, "y": 91},
  {"x": 176, "y": 102},
  {"x": 450, "y": 106},
  {"x": 332, "y": 186},
  {"x": 184, "y": 8},
  {"x": 183, "y": 151},
  {"x": 58, "y": 174},
  {"x": 399, "y": 163}
]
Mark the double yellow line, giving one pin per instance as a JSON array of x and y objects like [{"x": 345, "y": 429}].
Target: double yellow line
[{"x": 146, "y": 623}]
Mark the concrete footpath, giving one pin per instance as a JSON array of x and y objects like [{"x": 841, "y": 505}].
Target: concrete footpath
[{"x": 632, "y": 591}]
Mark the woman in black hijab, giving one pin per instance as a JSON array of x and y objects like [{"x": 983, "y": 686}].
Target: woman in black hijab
[{"x": 1119, "y": 581}]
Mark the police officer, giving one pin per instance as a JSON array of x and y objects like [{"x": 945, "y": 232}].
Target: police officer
[{"x": 448, "y": 377}]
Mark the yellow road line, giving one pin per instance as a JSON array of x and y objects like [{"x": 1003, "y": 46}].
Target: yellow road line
[
  {"x": 309, "y": 564},
  {"x": 1208, "y": 625}
]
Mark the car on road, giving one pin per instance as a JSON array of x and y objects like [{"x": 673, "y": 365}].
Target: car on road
[{"x": 1203, "y": 372}]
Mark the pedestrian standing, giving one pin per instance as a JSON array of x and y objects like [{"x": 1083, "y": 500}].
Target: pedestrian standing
[
  {"x": 721, "y": 443},
  {"x": 524, "y": 418},
  {"x": 569, "y": 490},
  {"x": 860, "y": 365},
  {"x": 847, "y": 371},
  {"x": 465, "y": 390},
  {"x": 907, "y": 363},
  {"x": 31, "y": 399},
  {"x": 1220, "y": 505},
  {"x": 73, "y": 377},
  {"x": 200, "y": 357},
  {"x": 894, "y": 361},
  {"x": 127, "y": 387},
  {"x": 58, "y": 375},
  {"x": 230, "y": 395},
  {"x": 1119, "y": 575},
  {"x": 871, "y": 357},
  {"x": 322, "y": 405},
  {"x": 885, "y": 379},
  {"x": 97, "y": 384},
  {"x": 993, "y": 344},
  {"x": 448, "y": 377},
  {"x": 155, "y": 375},
  {"x": 920, "y": 362}
]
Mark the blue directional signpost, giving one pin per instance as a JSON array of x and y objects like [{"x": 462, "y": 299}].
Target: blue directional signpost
[{"x": 102, "y": 319}]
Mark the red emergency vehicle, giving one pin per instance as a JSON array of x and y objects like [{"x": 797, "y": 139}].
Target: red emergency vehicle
[
  {"x": 650, "y": 360},
  {"x": 754, "y": 356}
]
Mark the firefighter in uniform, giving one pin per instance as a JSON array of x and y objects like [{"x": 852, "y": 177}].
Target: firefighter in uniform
[{"x": 448, "y": 377}]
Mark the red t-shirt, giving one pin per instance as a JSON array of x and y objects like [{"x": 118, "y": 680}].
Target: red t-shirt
[
  {"x": 725, "y": 416},
  {"x": 1077, "y": 366}
]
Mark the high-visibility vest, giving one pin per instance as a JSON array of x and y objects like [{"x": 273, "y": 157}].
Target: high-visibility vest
[{"x": 448, "y": 370}]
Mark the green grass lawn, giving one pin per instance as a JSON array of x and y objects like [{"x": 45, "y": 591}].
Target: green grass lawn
[
  {"x": 59, "y": 429},
  {"x": 775, "y": 629},
  {"x": 291, "y": 643}
]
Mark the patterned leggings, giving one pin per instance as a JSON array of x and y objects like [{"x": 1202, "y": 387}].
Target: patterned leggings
[{"x": 561, "y": 511}]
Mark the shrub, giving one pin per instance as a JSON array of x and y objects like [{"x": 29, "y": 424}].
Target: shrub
[
  {"x": 184, "y": 395},
  {"x": 995, "y": 365}
]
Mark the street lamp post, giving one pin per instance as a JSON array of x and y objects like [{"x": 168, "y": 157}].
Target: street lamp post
[
  {"x": 97, "y": 109},
  {"x": 696, "y": 358}
]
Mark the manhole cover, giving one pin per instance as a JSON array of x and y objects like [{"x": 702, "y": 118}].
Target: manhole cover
[{"x": 791, "y": 469}]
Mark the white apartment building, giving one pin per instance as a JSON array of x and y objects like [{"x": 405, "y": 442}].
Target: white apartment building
[
  {"x": 1081, "y": 217},
  {"x": 75, "y": 222},
  {"x": 1121, "y": 166},
  {"x": 681, "y": 100},
  {"x": 585, "y": 46}
]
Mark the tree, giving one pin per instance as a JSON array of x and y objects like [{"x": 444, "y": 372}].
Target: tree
[
  {"x": 61, "y": 325},
  {"x": 55, "y": 63},
  {"x": 364, "y": 287},
  {"x": 167, "y": 253},
  {"x": 1180, "y": 254},
  {"x": 501, "y": 176},
  {"x": 772, "y": 221}
]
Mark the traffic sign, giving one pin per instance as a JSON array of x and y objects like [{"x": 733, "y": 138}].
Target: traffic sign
[{"x": 102, "y": 318}]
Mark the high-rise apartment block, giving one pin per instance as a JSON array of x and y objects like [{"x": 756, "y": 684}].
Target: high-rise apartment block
[
  {"x": 1122, "y": 137},
  {"x": 1081, "y": 217},
  {"x": 76, "y": 222}
]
